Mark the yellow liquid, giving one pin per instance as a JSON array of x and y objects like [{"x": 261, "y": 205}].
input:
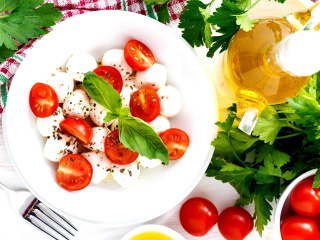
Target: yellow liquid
[
  {"x": 151, "y": 236},
  {"x": 246, "y": 66}
]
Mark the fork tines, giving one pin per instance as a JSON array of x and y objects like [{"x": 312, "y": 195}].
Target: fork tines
[{"x": 40, "y": 216}]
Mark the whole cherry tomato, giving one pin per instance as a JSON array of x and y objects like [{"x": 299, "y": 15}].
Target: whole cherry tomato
[
  {"x": 138, "y": 56},
  {"x": 74, "y": 172},
  {"x": 43, "y": 100},
  {"x": 198, "y": 215},
  {"x": 235, "y": 223},
  {"x": 304, "y": 199},
  {"x": 299, "y": 228},
  {"x": 78, "y": 128}
]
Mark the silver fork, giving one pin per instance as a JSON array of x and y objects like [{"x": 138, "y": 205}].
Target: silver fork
[{"x": 36, "y": 213}]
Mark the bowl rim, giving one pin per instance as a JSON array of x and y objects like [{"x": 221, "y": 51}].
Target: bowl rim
[
  {"x": 283, "y": 198},
  {"x": 153, "y": 227},
  {"x": 178, "y": 198}
]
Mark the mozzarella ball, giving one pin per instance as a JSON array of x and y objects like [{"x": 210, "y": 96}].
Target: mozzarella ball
[
  {"x": 114, "y": 125},
  {"x": 80, "y": 63},
  {"x": 77, "y": 105},
  {"x": 98, "y": 113},
  {"x": 148, "y": 163},
  {"x": 126, "y": 175},
  {"x": 115, "y": 58},
  {"x": 160, "y": 124},
  {"x": 154, "y": 77},
  {"x": 101, "y": 165},
  {"x": 99, "y": 135},
  {"x": 125, "y": 94},
  {"x": 59, "y": 145},
  {"x": 170, "y": 101},
  {"x": 46, "y": 126},
  {"x": 63, "y": 84}
]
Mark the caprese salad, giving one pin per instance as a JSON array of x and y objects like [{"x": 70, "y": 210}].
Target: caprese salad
[{"x": 107, "y": 133}]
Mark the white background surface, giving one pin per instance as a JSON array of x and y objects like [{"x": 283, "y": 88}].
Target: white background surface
[{"x": 12, "y": 227}]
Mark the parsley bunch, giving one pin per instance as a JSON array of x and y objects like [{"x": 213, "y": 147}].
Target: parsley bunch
[
  {"x": 27, "y": 20},
  {"x": 284, "y": 144},
  {"x": 197, "y": 22}
]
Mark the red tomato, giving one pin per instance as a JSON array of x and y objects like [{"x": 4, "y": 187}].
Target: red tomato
[
  {"x": 77, "y": 127},
  {"x": 110, "y": 75},
  {"x": 198, "y": 215},
  {"x": 177, "y": 142},
  {"x": 74, "y": 172},
  {"x": 116, "y": 152},
  {"x": 138, "y": 56},
  {"x": 145, "y": 104},
  {"x": 304, "y": 199},
  {"x": 299, "y": 228},
  {"x": 43, "y": 100},
  {"x": 235, "y": 223}
]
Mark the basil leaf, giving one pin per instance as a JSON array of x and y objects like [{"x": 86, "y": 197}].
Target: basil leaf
[
  {"x": 110, "y": 116},
  {"x": 140, "y": 137},
  {"x": 102, "y": 92},
  {"x": 125, "y": 111}
]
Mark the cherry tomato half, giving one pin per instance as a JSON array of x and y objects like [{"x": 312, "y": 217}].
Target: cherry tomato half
[
  {"x": 110, "y": 75},
  {"x": 299, "y": 228},
  {"x": 235, "y": 223},
  {"x": 198, "y": 215},
  {"x": 304, "y": 199},
  {"x": 74, "y": 172},
  {"x": 78, "y": 128},
  {"x": 43, "y": 100},
  {"x": 138, "y": 56},
  {"x": 116, "y": 152},
  {"x": 145, "y": 104},
  {"x": 177, "y": 142}
]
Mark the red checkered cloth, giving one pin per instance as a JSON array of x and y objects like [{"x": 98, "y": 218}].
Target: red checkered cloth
[{"x": 71, "y": 8}]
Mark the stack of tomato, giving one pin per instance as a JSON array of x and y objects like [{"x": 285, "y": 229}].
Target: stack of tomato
[
  {"x": 304, "y": 220},
  {"x": 198, "y": 215}
]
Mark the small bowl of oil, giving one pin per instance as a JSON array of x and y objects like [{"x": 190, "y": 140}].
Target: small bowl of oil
[{"x": 154, "y": 232}]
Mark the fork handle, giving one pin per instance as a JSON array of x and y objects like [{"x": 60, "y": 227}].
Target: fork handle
[{"x": 8, "y": 191}]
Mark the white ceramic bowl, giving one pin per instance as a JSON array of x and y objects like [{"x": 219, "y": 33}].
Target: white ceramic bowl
[
  {"x": 157, "y": 190},
  {"x": 153, "y": 228},
  {"x": 284, "y": 209}
]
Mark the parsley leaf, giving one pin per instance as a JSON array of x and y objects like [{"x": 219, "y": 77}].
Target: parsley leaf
[
  {"x": 279, "y": 158},
  {"x": 316, "y": 183},
  {"x": 193, "y": 23},
  {"x": 262, "y": 212},
  {"x": 6, "y": 5},
  {"x": 27, "y": 20},
  {"x": 163, "y": 13},
  {"x": 5, "y": 53}
]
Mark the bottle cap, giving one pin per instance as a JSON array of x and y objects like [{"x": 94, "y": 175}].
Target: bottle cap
[{"x": 298, "y": 54}]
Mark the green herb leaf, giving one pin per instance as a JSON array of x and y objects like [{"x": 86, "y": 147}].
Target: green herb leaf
[
  {"x": 268, "y": 125},
  {"x": 155, "y": 2},
  {"x": 140, "y": 137},
  {"x": 239, "y": 178},
  {"x": 279, "y": 158},
  {"x": 125, "y": 111},
  {"x": 102, "y": 92},
  {"x": 163, "y": 13},
  {"x": 192, "y": 23},
  {"x": 245, "y": 22},
  {"x": 110, "y": 116},
  {"x": 316, "y": 183},
  {"x": 6, "y": 5},
  {"x": 5, "y": 53},
  {"x": 26, "y": 21},
  {"x": 207, "y": 29},
  {"x": 244, "y": 201},
  {"x": 262, "y": 212}
]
